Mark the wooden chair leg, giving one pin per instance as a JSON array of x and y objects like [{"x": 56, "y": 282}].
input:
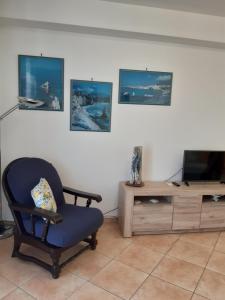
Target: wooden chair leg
[
  {"x": 16, "y": 246},
  {"x": 55, "y": 270},
  {"x": 93, "y": 242}
]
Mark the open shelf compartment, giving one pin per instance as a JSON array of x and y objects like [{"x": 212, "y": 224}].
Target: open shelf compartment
[
  {"x": 213, "y": 198},
  {"x": 152, "y": 200}
]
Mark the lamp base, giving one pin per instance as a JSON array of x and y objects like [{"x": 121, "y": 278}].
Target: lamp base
[{"x": 5, "y": 230}]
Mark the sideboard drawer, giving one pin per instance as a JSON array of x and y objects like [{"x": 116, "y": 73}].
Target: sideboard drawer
[
  {"x": 213, "y": 215},
  {"x": 187, "y": 211},
  {"x": 152, "y": 217},
  {"x": 187, "y": 204}
]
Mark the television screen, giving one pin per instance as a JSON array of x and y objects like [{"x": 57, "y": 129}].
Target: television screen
[{"x": 204, "y": 166}]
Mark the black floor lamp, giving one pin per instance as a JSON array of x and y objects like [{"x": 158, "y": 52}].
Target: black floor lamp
[{"x": 6, "y": 230}]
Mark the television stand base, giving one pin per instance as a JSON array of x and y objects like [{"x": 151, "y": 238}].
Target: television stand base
[{"x": 183, "y": 209}]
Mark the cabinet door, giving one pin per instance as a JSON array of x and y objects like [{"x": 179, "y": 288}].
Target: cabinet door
[
  {"x": 152, "y": 217},
  {"x": 187, "y": 211},
  {"x": 213, "y": 215}
]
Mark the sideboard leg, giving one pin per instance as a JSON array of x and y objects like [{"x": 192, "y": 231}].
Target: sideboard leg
[{"x": 126, "y": 203}]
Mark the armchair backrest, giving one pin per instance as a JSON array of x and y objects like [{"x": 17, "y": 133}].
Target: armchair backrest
[{"x": 23, "y": 174}]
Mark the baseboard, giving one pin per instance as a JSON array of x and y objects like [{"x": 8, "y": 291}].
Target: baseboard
[
  {"x": 10, "y": 223},
  {"x": 110, "y": 219}
]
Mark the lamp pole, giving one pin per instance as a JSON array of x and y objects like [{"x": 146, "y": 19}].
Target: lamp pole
[
  {"x": 8, "y": 112},
  {"x": 6, "y": 231}
]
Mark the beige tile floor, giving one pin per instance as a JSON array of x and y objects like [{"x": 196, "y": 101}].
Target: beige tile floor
[{"x": 151, "y": 267}]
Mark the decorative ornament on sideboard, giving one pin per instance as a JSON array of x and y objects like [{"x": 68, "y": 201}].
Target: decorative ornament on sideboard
[{"x": 136, "y": 168}]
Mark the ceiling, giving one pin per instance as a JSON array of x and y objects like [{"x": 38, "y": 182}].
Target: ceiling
[{"x": 208, "y": 7}]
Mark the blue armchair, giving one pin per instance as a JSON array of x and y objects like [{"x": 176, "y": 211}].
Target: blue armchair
[{"x": 57, "y": 231}]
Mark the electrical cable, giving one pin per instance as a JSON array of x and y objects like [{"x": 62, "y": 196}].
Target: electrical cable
[
  {"x": 165, "y": 181},
  {"x": 110, "y": 211},
  {"x": 174, "y": 175}
]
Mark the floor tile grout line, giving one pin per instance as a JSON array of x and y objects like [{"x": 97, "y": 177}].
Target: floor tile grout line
[
  {"x": 27, "y": 292},
  {"x": 15, "y": 284},
  {"x": 26, "y": 280},
  {"x": 111, "y": 260},
  {"x": 206, "y": 264},
  {"x": 180, "y": 259},
  {"x": 173, "y": 284},
  {"x": 165, "y": 255},
  {"x": 80, "y": 276},
  {"x": 211, "y": 249},
  {"x": 219, "y": 251},
  {"x": 217, "y": 242},
  {"x": 140, "y": 270},
  {"x": 115, "y": 258},
  {"x": 12, "y": 291},
  {"x": 149, "y": 248},
  {"x": 131, "y": 242},
  {"x": 215, "y": 271},
  {"x": 102, "y": 270},
  {"x": 89, "y": 279},
  {"x": 158, "y": 251},
  {"x": 115, "y": 255},
  {"x": 197, "y": 244},
  {"x": 18, "y": 286},
  {"x": 108, "y": 291},
  {"x": 9, "y": 280},
  {"x": 150, "y": 274},
  {"x": 205, "y": 298}
]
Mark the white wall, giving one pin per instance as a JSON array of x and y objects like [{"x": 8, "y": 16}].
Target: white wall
[
  {"x": 98, "y": 161},
  {"x": 117, "y": 16}
]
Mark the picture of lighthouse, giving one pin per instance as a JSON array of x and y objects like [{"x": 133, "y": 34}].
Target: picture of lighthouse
[{"x": 42, "y": 78}]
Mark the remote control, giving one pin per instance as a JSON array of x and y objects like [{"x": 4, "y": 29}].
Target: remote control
[{"x": 175, "y": 183}]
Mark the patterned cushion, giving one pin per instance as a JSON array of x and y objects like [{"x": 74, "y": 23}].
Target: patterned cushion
[{"x": 43, "y": 196}]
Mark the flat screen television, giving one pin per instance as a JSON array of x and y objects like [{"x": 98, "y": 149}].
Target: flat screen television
[{"x": 204, "y": 166}]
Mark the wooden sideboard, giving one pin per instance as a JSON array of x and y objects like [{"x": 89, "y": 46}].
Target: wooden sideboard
[{"x": 177, "y": 209}]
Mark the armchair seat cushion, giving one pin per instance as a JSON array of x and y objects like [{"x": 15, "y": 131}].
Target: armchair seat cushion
[{"x": 78, "y": 223}]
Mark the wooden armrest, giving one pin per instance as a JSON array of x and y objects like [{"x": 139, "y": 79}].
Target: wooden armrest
[
  {"x": 40, "y": 212},
  {"x": 82, "y": 194}
]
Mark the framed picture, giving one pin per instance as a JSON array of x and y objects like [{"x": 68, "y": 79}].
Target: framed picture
[
  {"x": 145, "y": 87},
  {"x": 91, "y": 105},
  {"x": 42, "y": 78}
]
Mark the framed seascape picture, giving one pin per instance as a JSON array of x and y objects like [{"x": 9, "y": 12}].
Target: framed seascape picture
[
  {"x": 91, "y": 105},
  {"x": 145, "y": 87},
  {"x": 42, "y": 78}
]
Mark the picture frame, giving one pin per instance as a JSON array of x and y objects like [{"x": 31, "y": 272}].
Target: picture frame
[
  {"x": 90, "y": 105},
  {"x": 145, "y": 87},
  {"x": 41, "y": 78}
]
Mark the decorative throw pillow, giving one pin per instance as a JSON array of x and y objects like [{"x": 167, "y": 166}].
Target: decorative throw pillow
[{"x": 43, "y": 196}]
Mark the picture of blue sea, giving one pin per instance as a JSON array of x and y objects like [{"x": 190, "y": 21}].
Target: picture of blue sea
[
  {"x": 42, "y": 78},
  {"x": 91, "y": 103},
  {"x": 145, "y": 87}
]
